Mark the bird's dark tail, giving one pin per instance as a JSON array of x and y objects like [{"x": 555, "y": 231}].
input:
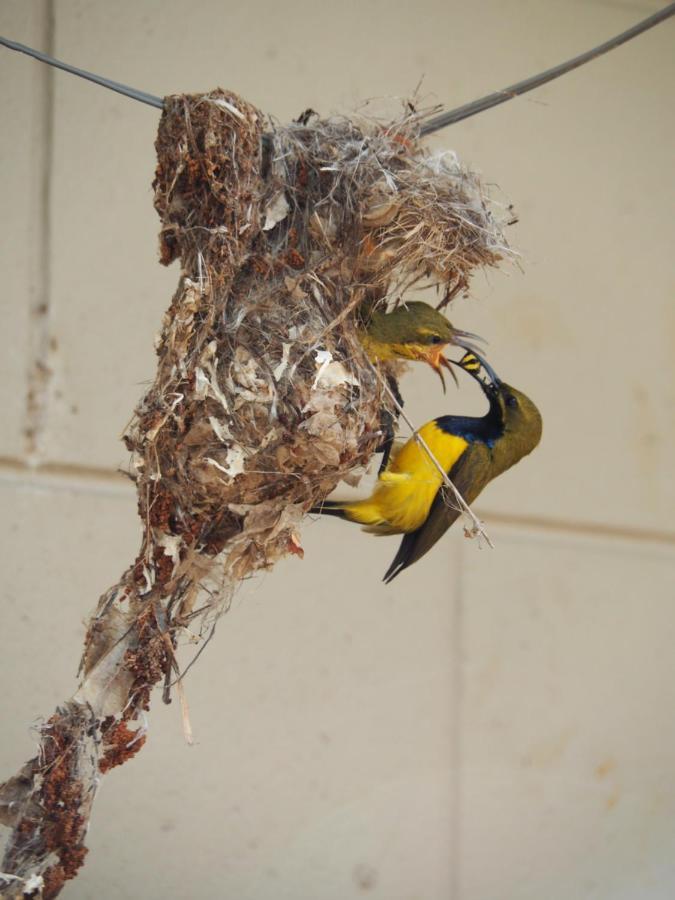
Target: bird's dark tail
[
  {"x": 402, "y": 559},
  {"x": 330, "y": 508}
]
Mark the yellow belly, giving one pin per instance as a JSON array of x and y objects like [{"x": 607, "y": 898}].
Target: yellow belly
[{"x": 404, "y": 493}]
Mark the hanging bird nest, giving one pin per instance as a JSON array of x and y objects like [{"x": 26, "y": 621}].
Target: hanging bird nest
[{"x": 263, "y": 400}]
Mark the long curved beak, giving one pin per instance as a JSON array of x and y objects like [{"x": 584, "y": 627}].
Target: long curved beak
[
  {"x": 495, "y": 380},
  {"x": 467, "y": 340}
]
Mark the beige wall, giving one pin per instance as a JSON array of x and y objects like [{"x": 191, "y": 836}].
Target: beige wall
[{"x": 496, "y": 725}]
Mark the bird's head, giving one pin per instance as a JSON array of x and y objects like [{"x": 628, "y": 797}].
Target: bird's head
[
  {"x": 521, "y": 422},
  {"x": 417, "y": 331},
  {"x": 522, "y": 419}
]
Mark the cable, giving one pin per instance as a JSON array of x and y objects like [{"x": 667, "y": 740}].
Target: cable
[
  {"x": 150, "y": 99},
  {"x": 535, "y": 81},
  {"x": 437, "y": 122}
]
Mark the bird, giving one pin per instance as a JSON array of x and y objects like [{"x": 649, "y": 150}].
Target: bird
[
  {"x": 409, "y": 497},
  {"x": 413, "y": 331}
]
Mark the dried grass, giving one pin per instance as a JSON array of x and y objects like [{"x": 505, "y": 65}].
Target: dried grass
[{"x": 263, "y": 399}]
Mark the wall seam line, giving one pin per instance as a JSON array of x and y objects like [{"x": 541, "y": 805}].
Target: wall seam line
[
  {"x": 40, "y": 373},
  {"x": 32, "y": 472}
]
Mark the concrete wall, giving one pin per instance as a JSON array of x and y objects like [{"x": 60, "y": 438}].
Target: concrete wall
[{"x": 493, "y": 726}]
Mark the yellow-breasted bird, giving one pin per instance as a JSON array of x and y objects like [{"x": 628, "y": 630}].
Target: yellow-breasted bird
[
  {"x": 413, "y": 331},
  {"x": 410, "y": 498}
]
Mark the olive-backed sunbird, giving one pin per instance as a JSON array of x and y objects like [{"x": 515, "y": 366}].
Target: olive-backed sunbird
[
  {"x": 410, "y": 497},
  {"x": 413, "y": 331}
]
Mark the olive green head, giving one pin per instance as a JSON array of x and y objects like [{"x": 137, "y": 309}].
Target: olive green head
[
  {"x": 411, "y": 323},
  {"x": 414, "y": 331},
  {"x": 522, "y": 426}
]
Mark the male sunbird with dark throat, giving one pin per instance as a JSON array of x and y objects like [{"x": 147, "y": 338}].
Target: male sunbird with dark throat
[{"x": 410, "y": 497}]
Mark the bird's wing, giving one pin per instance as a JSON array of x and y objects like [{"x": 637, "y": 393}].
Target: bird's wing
[{"x": 469, "y": 474}]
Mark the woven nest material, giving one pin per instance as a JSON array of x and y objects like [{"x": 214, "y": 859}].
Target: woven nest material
[{"x": 263, "y": 399}]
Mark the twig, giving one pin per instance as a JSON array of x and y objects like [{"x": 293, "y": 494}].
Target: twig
[
  {"x": 534, "y": 81},
  {"x": 195, "y": 657},
  {"x": 174, "y": 667},
  {"x": 184, "y": 712}
]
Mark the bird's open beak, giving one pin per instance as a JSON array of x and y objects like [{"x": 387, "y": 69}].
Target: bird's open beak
[
  {"x": 467, "y": 340},
  {"x": 438, "y": 362}
]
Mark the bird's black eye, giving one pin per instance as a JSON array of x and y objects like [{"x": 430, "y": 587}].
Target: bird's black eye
[
  {"x": 435, "y": 339},
  {"x": 511, "y": 401}
]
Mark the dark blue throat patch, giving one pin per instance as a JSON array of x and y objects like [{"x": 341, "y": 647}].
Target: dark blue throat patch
[{"x": 486, "y": 429}]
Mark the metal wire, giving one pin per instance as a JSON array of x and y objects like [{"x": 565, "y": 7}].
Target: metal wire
[
  {"x": 135, "y": 94},
  {"x": 434, "y": 124},
  {"x": 535, "y": 81}
]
